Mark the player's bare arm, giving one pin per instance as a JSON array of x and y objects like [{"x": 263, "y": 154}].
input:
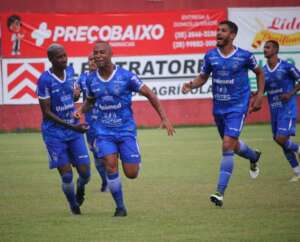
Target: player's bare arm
[
  {"x": 286, "y": 96},
  {"x": 165, "y": 123},
  {"x": 45, "y": 105},
  {"x": 257, "y": 101},
  {"x": 199, "y": 81}
]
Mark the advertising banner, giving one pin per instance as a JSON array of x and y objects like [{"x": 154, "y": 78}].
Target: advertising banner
[
  {"x": 28, "y": 35},
  {"x": 163, "y": 74},
  {"x": 163, "y": 49},
  {"x": 257, "y": 25}
]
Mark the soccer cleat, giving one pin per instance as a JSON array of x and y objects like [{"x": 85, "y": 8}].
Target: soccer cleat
[
  {"x": 80, "y": 195},
  {"x": 217, "y": 199},
  {"x": 254, "y": 169},
  {"x": 120, "y": 212},
  {"x": 75, "y": 210},
  {"x": 295, "y": 178}
]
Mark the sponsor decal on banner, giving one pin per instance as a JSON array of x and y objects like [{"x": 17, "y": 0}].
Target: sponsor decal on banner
[
  {"x": 28, "y": 35},
  {"x": 163, "y": 74},
  {"x": 257, "y": 25},
  {"x": 20, "y": 78}
]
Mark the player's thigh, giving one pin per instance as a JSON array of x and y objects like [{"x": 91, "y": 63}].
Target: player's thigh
[
  {"x": 130, "y": 156},
  {"x": 78, "y": 151},
  {"x": 57, "y": 152}
]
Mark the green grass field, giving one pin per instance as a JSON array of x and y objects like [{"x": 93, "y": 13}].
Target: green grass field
[{"x": 168, "y": 202}]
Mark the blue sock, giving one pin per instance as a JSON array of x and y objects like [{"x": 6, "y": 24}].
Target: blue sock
[
  {"x": 68, "y": 188},
  {"x": 246, "y": 152},
  {"x": 290, "y": 145},
  {"x": 101, "y": 170},
  {"x": 84, "y": 178},
  {"x": 291, "y": 157},
  {"x": 115, "y": 187},
  {"x": 225, "y": 171}
]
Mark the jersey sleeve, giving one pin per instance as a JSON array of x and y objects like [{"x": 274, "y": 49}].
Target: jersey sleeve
[
  {"x": 135, "y": 83},
  {"x": 294, "y": 73},
  {"x": 43, "y": 89},
  {"x": 251, "y": 62},
  {"x": 206, "y": 66},
  {"x": 89, "y": 92}
]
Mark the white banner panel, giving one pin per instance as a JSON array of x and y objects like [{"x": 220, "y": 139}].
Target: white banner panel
[
  {"x": 256, "y": 25},
  {"x": 163, "y": 74}
]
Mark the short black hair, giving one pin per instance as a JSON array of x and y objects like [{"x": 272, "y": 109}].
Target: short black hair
[
  {"x": 274, "y": 43},
  {"x": 232, "y": 26},
  {"x": 11, "y": 19}
]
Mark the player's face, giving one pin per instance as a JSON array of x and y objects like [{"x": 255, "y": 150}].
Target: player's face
[
  {"x": 269, "y": 50},
  {"x": 60, "y": 59},
  {"x": 102, "y": 55},
  {"x": 224, "y": 35},
  {"x": 92, "y": 64}
]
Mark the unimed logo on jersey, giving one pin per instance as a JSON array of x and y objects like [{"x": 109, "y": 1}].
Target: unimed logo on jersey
[{"x": 20, "y": 80}]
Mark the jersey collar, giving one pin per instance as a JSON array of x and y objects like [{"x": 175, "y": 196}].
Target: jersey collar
[
  {"x": 275, "y": 68},
  {"x": 55, "y": 77},
  {"x": 228, "y": 56},
  {"x": 110, "y": 77}
]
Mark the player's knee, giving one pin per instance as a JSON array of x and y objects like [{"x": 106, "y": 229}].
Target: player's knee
[
  {"x": 132, "y": 174},
  {"x": 67, "y": 177},
  {"x": 281, "y": 142}
]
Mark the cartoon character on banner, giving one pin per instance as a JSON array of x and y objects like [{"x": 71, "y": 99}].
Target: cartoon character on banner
[{"x": 14, "y": 25}]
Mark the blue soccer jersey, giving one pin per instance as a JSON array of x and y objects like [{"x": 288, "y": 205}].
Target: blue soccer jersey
[
  {"x": 279, "y": 80},
  {"x": 113, "y": 101},
  {"x": 60, "y": 93},
  {"x": 81, "y": 82},
  {"x": 230, "y": 82}
]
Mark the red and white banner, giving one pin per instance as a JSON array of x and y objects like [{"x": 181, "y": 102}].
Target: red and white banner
[
  {"x": 163, "y": 49},
  {"x": 28, "y": 35},
  {"x": 163, "y": 74}
]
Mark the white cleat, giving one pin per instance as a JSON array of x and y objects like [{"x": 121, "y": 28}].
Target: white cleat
[
  {"x": 295, "y": 178},
  {"x": 254, "y": 173},
  {"x": 254, "y": 169}
]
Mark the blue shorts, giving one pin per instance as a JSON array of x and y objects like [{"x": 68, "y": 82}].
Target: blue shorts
[
  {"x": 126, "y": 146},
  {"x": 283, "y": 126},
  {"x": 63, "y": 152},
  {"x": 230, "y": 124}
]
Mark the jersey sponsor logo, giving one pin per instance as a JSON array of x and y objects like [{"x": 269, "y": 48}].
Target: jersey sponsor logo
[
  {"x": 110, "y": 107},
  {"x": 227, "y": 82}
]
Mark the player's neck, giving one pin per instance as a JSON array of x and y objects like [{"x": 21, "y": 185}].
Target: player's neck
[
  {"x": 272, "y": 62},
  {"x": 60, "y": 73},
  {"x": 106, "y": 71},
  {"x": 227, "y": 49}
]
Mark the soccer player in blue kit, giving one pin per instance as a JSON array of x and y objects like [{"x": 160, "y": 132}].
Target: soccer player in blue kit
[
  {"x": 90, "y": 117},
  {"x": 281, "y": 88},
  {"x": 110, "y": 90},
  {"x": 229, "y": 66},
  {"x": 61, "y": 131}
]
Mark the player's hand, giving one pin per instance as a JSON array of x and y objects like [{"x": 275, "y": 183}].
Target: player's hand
[
  {"x": 186, "y": 87},
  {"x": 286, "y": 97},
  {"x": 256, "y": 103},
  {"x": 76, "y": 92},
  {"x": 168, "y": 126},
  {"x": 81, "y": 128},
  {"x": 77, "y": 115}
]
